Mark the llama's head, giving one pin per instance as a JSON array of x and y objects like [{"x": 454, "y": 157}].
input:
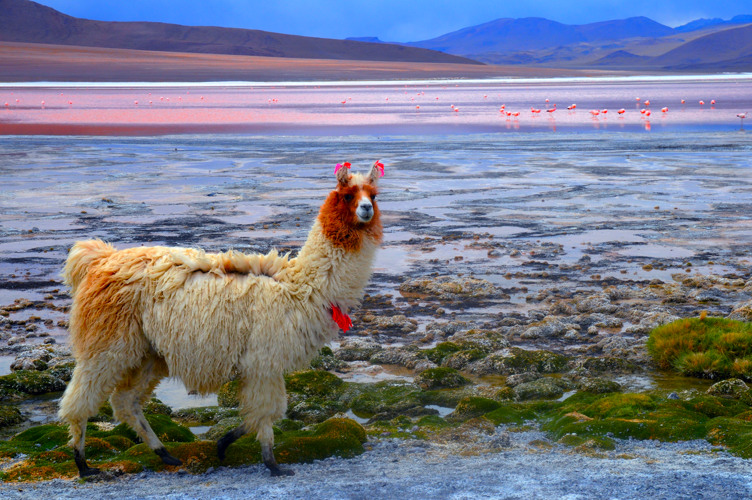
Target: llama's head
[{"x": 350, "y": 212}]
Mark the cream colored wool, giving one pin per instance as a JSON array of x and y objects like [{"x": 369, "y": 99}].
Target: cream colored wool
[{"x": 144, "y": 313}]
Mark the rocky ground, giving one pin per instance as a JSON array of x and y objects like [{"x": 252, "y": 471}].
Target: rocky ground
[{"x": 534, "y": 291}]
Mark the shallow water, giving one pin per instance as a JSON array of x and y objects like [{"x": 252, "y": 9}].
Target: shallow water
[{"x": 537, "y": 202}]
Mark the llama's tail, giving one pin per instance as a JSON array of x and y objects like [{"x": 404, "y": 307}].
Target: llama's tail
[{"x": 80, "y": 258}]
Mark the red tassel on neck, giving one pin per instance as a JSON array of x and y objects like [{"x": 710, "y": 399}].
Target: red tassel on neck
[{"x": 342, "y": 319}]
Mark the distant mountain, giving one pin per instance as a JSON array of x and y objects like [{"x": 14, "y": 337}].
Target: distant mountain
[
  {"x": 534, "y": 33},
  {"x": 699, "y": 24},
  {"x": 369, "y": 39},
  {"x": 636, "y": 43},
  {"x": 731, "y": 46},
  {"x": 30, "y": 22}
]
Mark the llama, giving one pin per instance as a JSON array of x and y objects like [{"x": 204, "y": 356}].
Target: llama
[{"x": 145, "y": 313}]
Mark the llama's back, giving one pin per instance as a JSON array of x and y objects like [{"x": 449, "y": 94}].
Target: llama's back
[{"x": 80, "y": 259}]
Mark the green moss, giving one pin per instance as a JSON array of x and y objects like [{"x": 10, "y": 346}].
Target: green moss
[
  {"x": 222, "y": 427},
  {"x": 381, "y": 397},
  {"x": 542, "y": 388},
  {"x": 471, "y": 407},
  {"x": 520, "y": 361},
  {"x": 313, "y": 409},
  {"x": 104, "y": 414},
  {"x": 736, "y": 434},
  {"x": 164, "y": 427},
  {"x": 432, "y": 422},
  {"x": 519, "y": 413},
  {"x": 156, "y": 407},
  {"x": 440, "y": 352},
  {"x": 585, "y": 444},
  {"x": 705, "y": 347},
  {"x": 712, "y": 407},
  {"x": 46, "y": 437},
  {"x": 10, "y": 415},
  {"x": 63, "y": 371},
  {"x": 31, "y": 382},
  {"x": 447, "y": 398},
  {"x": 120, "y": 443},
  {"x": 227, "y": 395},
  {"x": 313, "y": 383},
  {"x": 435, "y": 378},
  {"x": 610, "y": 364},
  {"x": 203, "y": 415}
]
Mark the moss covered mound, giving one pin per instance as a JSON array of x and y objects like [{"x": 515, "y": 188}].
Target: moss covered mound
[
  {"x": 442, "y": 377},
  {"x": 713, "y": 348},
  {"x": 28, "y": 382},
  {"x": 45, "y": 455}
]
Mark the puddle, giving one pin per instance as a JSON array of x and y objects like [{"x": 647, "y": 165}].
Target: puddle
[
  {"x": 363, "y": 372},
  {"x": 358, "y": 419},
  {"x": 199, "y": 429},
  {"x": 443, "y": 411},
  {"x": 567, "y": 395},
  {"x": 661, "y": 381},
  {"x": 5, "y": 362},
  {"x": 173, "y": 393}
]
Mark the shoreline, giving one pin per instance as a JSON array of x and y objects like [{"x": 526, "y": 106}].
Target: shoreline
[{"x": 492, "y": 80}]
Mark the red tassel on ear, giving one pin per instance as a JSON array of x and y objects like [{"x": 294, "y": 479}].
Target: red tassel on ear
[
  {"x": 342, "y": 319},
  {"x": 339, "y": 165}
]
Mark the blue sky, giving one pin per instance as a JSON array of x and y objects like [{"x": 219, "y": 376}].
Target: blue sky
[{"x": 390, "y": 20}]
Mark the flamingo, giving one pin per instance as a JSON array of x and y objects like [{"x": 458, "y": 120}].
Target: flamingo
[
  {"x": 702, "y": 103},
  {"x": 742, "y": 116},
  {"x": 535, "y": 110},
  {"x": 647, "y": 102},
  {"x": 712, "y": 102},
  {"x": 683, "y": 101},
  {"x": 573, "y": 106},
  {"x": 594, "y": 112},
  {"x": 604, "y": 111},
  {"x": 665, "y": 109},
  {"x": 622, "y": 111},
  {"x": 551, "y": 110},
  {"x": 516, "y": 113},
  {"x": 647, "y": 112}
]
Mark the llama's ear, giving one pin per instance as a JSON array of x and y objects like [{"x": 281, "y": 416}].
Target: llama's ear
[
  {"x": 377, "y": 171},
  {"x": 342, "y": 171}
]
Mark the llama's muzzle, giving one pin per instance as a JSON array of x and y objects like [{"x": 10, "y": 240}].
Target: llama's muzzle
[{"x": 364, "y": 211}]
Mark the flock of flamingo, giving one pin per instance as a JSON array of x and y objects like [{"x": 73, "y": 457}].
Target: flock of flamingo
[{"x": 643, "y": 106}]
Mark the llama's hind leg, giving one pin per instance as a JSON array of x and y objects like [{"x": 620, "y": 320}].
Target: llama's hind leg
[
  {"x": 85, "y": 393},
  {"x": 131, "y": 395}
]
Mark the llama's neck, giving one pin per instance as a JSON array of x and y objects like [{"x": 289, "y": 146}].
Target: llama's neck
[{"x": 337, "y": 275}]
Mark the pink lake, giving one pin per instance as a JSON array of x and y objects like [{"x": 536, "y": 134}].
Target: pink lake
[{"x": 375, "y": 108}]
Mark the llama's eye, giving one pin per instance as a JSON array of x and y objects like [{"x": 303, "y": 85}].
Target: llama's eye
[
  {"x": 373, "y": 197},
  {"x": 348, "y": 197}
]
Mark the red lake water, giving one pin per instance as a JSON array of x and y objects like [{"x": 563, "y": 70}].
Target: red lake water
[{"x": 421, "y": 107}]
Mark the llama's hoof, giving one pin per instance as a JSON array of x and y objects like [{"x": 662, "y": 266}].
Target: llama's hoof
[
  {"x": 88, "y": 471},
  {"x": 279, "y": 471},
  {"x": 167, "y": 459}
]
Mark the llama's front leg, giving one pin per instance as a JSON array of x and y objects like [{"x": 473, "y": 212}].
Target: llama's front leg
[{"x": 262, "y": 400}]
